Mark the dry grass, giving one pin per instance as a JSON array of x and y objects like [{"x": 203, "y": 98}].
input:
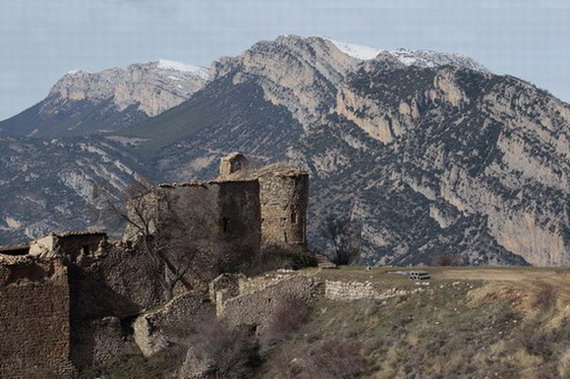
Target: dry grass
[
  {"x": 291, "y": 314},
  {"x": 512, "y": 323},
  {"x": 229, "y": 352}
]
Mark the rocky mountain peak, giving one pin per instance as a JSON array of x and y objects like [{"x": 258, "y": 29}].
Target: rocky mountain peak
[
  {"x": 154, "y": 86},
  {"x": 420, "y": 58}
]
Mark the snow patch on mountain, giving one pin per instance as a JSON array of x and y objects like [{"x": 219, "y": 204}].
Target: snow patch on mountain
[
  {"x": 421, "y": 58},
  {"x": 356, "y": 51},
  {"x": 164, "y": 64},
  {"x": 428, "y": 58}
]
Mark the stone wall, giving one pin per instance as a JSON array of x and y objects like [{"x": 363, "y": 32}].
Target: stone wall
[
  {"x": 222, "y": 212},
  {"x": 340, "y": 290},
  {"x": 258, "y": 283},
  {"x": 34, "y": 319},
  {"x": 71, "y": 245},
  {"x": 259, "y": 308},
  {"x": 74, "y": 245},
  {"x": 158, "y": 329},
  {"x": 120, "y": 283},
  {"x": 115, "y": 285},
  {"x": 100, "y": 341},
  {"x": 284, "y": 201}
]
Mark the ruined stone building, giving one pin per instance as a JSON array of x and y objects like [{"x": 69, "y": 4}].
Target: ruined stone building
[
  {"x": 232, "y": 163},
  {"x": 69, "y": 244},
  {"x": 267, "y": 205},
  {"x": 34, "y": 319},
  {"x": 225, "y": 212},
  {"x": 61, "y": 308},
  {"x": 284, "y": 197},
  {"x": 66, "y": 296}
]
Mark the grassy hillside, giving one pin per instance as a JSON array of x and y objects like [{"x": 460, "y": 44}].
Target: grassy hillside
[
  {"x": 463, "y": 323},
  {"x": 476, "y": 323},
  {"x": 214, "y": 106}
]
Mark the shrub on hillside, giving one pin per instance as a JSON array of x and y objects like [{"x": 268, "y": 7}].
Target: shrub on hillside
[
  {"x": 545, "y": 298},
  {"x": 447, "y": 260},
  {"x": 226, "y": 352},
  {"x": 291, "y": 313},
  {"x": 274, "y": 257},
  {"x": 335, "y": 358}
]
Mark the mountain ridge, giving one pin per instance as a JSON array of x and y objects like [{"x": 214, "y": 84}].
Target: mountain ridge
[
  {"x": 426, "y": 161},
  {"x": 83, "y": 103}
]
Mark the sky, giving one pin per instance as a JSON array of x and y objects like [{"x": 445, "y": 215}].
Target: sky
[{"x": 41, "y": 40}]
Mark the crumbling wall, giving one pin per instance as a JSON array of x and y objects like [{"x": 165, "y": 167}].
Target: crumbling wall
[
  {"x": 81, "y": 244},
  {"x": 232, "y": 163},
  {"x": 100, "y": 341},
  {"x": 44, "y": 246},
  {"x": 70, "y": 245},
  {"x": 225, "y": 282},
  {"x": 34, "y": 319},
  {"x": 341, "y": 290},
  {"x": 116, "y": 285},
  {"x": 259, "y": 308},
  {"x": 223, "y": 216},
  {"x": 119, "y": 282},
  {"x": 258, "y": 283},
  {"x": 158, "y": 329},
  {"x": 284, "y": 200}
]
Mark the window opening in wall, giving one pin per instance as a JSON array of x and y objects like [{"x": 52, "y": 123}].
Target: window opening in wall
[
  {"x": 225, "y": 224},
  {"x": 85, "y": 249},
  {"x": 293, "y": 217}
]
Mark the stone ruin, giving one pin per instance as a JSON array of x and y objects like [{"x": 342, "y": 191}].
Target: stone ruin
[
  {"x": 268, "y": 204},
  {"x": 34, "y": 318},
  {"x": 232, "y": 163},
  {"x": 66, "y": 295}
]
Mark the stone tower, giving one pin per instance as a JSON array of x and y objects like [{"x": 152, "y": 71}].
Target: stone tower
[
  {"x": 231, "y": 163},
  {"x": 284, "y": 198}
]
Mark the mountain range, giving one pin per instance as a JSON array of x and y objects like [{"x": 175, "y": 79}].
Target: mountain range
[{"x": 429, "y": 154}]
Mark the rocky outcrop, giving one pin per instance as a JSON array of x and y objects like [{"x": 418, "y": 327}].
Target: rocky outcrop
[
  {"x": 59, "y": 185},
  {"x": 428, "y": 159},
  {"x": 428, "y": 154},
  {"x": 153, "y": 87},
  {"x": 82, "y": 103},
  {"x": 298, "y": 73}
]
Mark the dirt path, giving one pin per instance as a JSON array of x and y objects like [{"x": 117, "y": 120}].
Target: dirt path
[{"x": 525, "y": 278}]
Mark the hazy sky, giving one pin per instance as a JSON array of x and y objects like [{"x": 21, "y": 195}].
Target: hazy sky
[{"x": 40, "y": 40}]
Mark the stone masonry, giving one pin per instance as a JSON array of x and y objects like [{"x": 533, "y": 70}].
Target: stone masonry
[
  {"x": 266, "y": 205},
  {"x": 34, "y": 319},
  {"x": 284, "y": 201},
  {"x": 232, "y": 163}
]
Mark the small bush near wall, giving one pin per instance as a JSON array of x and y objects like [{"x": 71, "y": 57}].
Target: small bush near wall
[
  {"x": 335, "y": 358},
  {"x": 274, "y": 257},
  {"x": 222, "y": 351},
  {"x": 287, "y": 319}
]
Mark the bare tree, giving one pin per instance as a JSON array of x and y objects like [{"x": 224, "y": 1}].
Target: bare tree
[
  {"x": 339, "y": 231},
  {"x": 168, "y": 234}
]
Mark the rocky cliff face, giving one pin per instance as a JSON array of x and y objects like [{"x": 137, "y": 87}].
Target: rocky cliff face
[
  {"x": 429, "y": 154},
  {"x": 82, "y": 103},
  {"x": 430, "y": 159},
  {"x": 60, "y": 184},
  {"x": 154, "y": 87}
]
